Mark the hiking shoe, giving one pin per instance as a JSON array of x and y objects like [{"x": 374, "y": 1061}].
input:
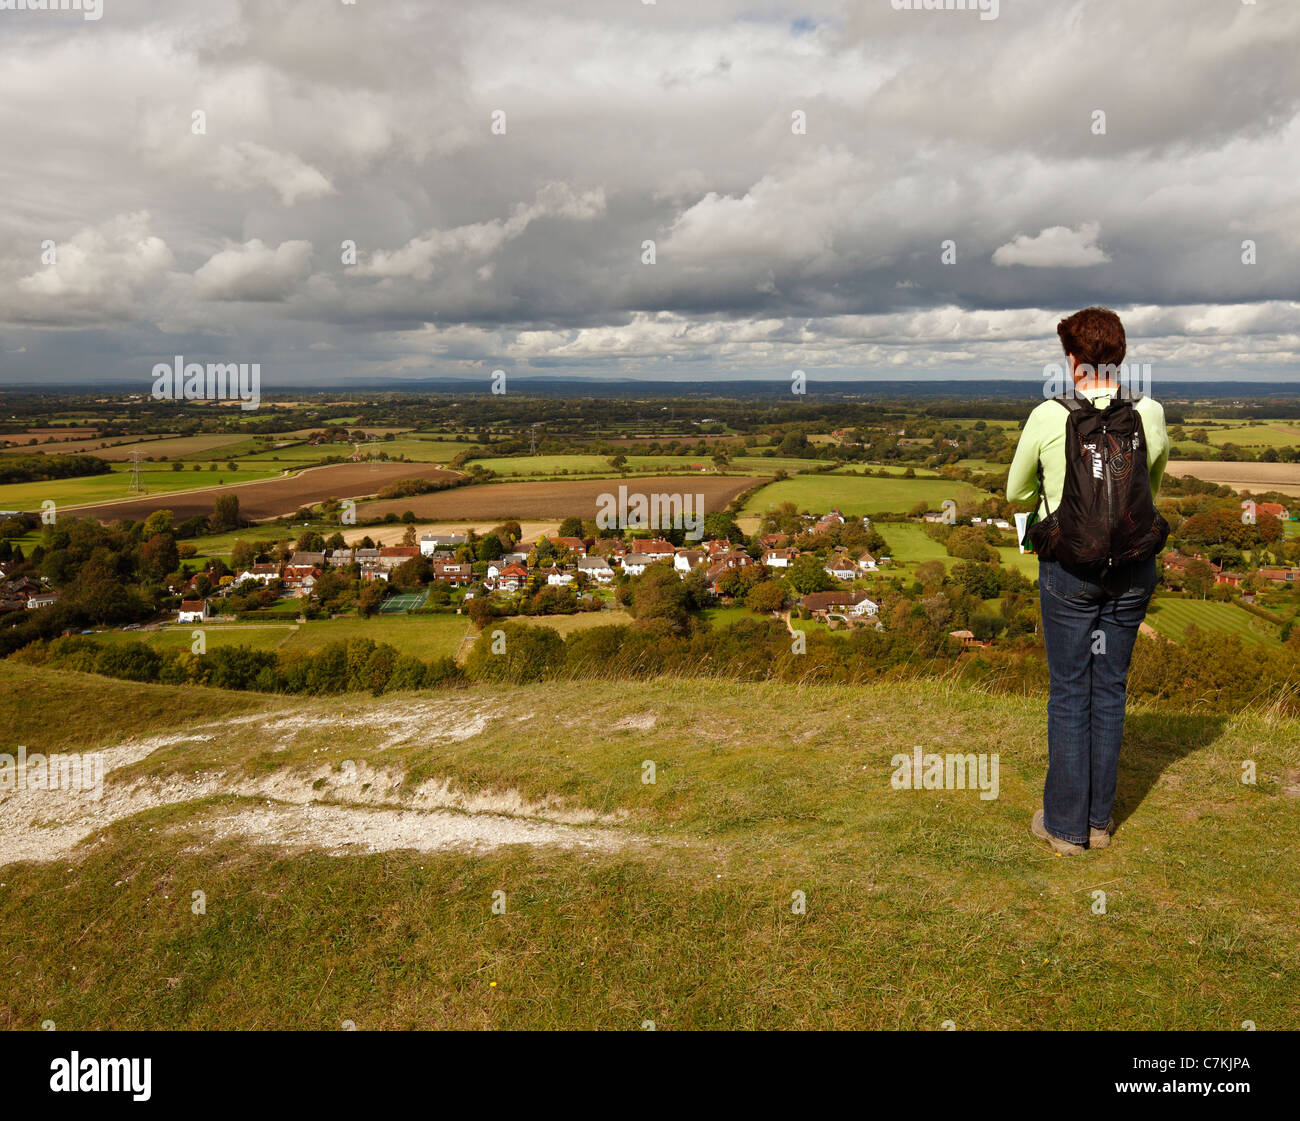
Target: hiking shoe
[
  {"x": 1100, "y": 838},
  {"x": 1063, "y": 848}
]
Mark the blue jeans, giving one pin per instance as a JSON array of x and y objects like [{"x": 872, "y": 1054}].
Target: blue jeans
[{"x": 1089, "y": 631}]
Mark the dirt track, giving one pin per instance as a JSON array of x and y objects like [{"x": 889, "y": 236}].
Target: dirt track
[{"x": 270, "y": 498}]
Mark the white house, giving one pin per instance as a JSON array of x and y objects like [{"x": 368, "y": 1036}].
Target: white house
[
  {"x": 635, "y": 563},
  {"x": 558, "y": 578},
  {"x": 867, "y": 563},
  {"x": 192, "y": 611},
  {"x": 262, "y": 573},
  {"x": 431, "y": 543},
  {"x": 778, "y": 558},
  {"x": 597, "y": 568},
  {"x": 841, "y": 569}
]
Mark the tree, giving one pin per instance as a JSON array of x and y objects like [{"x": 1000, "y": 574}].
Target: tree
[
  {"x": 570, "y": 527},
  {"x": 808, "y": 574},
  {"x": 225, "y": 514},
  {"x": 1199, "y": 577},
  {"x": 660, "y": 601},
  {"x": 160, "y": 556},
  {"x": 372, "y": 595},
  {"x": 765, "y": 597}
]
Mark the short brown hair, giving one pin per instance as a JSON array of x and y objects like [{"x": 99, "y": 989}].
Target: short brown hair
[{"x": 1095, "y": 336}]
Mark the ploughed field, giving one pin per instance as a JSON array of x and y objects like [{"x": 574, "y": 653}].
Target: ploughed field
[
  {"x": 566, "y": 498},
  {"x": 272, "y": 498},
  {"x": 1284, "y": 477}
]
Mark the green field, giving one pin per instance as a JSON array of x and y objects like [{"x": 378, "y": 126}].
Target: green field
[
  {"x": 104, "y": 488},
  {"x": 328, "y": 901},
  {"x": 425, "y": 636},
  {"x": 258, "y": 636},
  {"x": 1171, "y": 617},
  {"x": 598, "y": 465},
  {"x": 857, "y": 496}
]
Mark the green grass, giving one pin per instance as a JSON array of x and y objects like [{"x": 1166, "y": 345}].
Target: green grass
[
  {"x": 921, "y": 906},
  {"x": 264, "y": 636},
  {"x": 425, "y": 636},
  {"x": 856, "y": 496},
  {"x": 1171, "y": 617},
  {"x": 156, "y": 478}
]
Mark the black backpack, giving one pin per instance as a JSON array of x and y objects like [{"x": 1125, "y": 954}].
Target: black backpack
[{"x": 1107, "y": 515}]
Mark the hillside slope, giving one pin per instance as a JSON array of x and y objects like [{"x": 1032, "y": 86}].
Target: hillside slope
[{"x": 348, "y": 851}]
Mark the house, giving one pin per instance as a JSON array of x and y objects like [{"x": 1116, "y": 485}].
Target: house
[
  {"x": 934, "y": 516},
  {"x": 12, "y": 603},
  {"x": 773, "y": 541},
  {"x": 597, "y": 568},
  {"x": 192, "y": 611},
  {"x": 1231, "y": 579},
  {"x": 1280, "y": 575},
  {"x": 611, "y": 547},
  {"x": 458, "y": 575},
  {"x": 575, "y": 545},
  {"x": 432, "y": 542},
  {"x": 635, "y": 563},
  {"x": 856, "y": 605},
  {"x": 299, "y": 558},
  {"x": 779, "y": 558},
  {"x": 684, "y": 560},
  {"x": 867, "y": 563},
  {"x": 656, "y": 549},
  {"x": 1276, "y": 509},
  {"x": 557, "y": 577},
  {"x": 841, "y": 568},
  {"x": 396, "y": 554},
  {"x": 340, "y": 558},
  {"x": 262, "y": 573},
  {"x": 301, "y": 578},
  {"x": 968, "y": 639},
  {"x": 42, "y": 599},
  {"x": 511, "y": 578}
]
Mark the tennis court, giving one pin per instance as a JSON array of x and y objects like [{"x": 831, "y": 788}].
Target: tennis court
[{"x": 405, "y": 601}]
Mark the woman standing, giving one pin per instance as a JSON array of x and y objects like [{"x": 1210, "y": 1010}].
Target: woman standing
[{"x": 1092, "y": 460}]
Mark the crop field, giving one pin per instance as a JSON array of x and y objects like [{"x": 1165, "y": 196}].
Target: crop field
[
  {"x": 273, "y": 497},
  {"x": 856, "y": 496},
  {"x": 1284, "y": 477},
  {"x": 557, "y": 499},
  {"x": 157, "y": 480},
  {"x": 538, "y": 465},
  {"x": 1171, "y": 617}
]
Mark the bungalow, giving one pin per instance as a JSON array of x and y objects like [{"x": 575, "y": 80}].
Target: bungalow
[
  {"x": 1280, "y": 575},
  {"x": 840, "y": 568},
  {"x": 779, "y": 558},
  {"x": 192, "y": 611},
  {"x": 42, "y": 599},
  {"x": 432, "y": 542},
  {"x": 856, "y": 605},
  {"x": 597, "y": 568}
]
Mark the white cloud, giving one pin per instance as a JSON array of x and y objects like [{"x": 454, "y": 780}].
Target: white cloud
[
  {"x": 1055, "y": 248},
  {"x": 254, "y": 271}
]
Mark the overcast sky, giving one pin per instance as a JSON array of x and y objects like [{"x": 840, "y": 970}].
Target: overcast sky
[{"x": 778, "y": 247}]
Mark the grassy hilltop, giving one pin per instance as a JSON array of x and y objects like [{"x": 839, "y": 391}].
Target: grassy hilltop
[{"x": 348, "y": 850}]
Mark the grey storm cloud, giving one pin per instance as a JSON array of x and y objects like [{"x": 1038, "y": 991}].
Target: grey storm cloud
[{"x": 368, "y": 190}]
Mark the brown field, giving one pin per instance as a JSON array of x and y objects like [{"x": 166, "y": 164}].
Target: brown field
[
  {"x": 392, "y": 534},
  {"x": 65, "y": 431},
  {"x": 1284, "y": 477},
  {"x": 567, "y": 498},
  {"x": 119, "y": 448},
  {"x": 271, "y": 498}
]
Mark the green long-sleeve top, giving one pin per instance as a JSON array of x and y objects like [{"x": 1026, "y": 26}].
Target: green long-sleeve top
[{"x": 1044, "y": 438}]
